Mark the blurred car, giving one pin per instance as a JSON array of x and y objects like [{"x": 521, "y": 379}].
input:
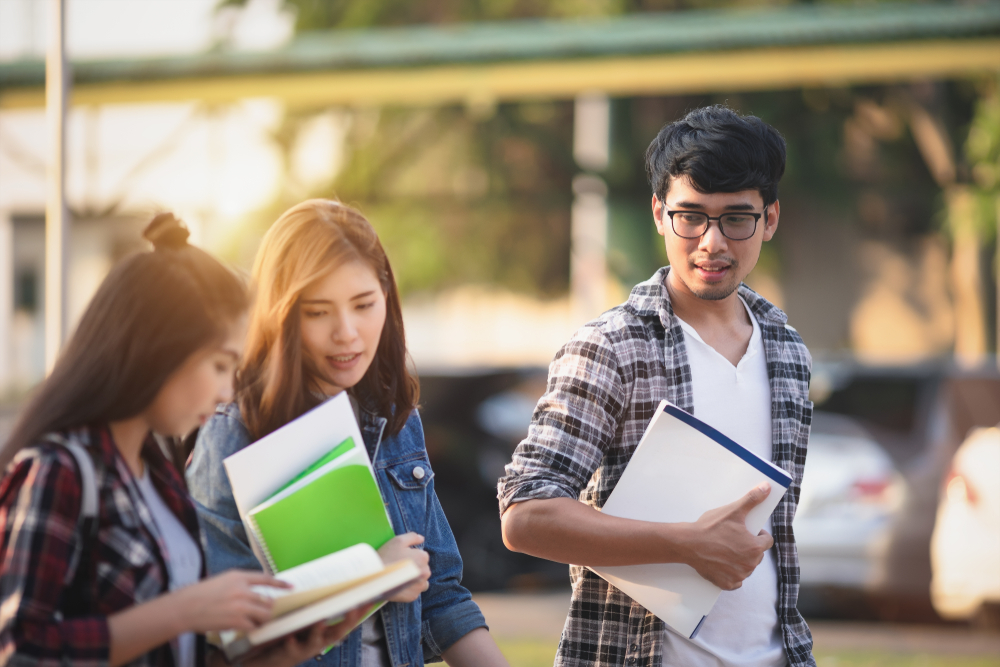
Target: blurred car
[
  {"x": 965, "y": 547},
  {"x": 919, "y": 415},
  {"x": 850, "y": 493},
  {"x": 473, "y": 420}
]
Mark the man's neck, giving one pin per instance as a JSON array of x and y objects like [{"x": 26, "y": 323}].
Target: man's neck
[{"x": 724, "y": 323}]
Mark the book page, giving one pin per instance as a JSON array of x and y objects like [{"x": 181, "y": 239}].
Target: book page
[{"x": 323, "y": 577}]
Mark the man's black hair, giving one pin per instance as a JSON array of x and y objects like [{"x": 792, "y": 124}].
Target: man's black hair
[{"x": 720, "y": 151}]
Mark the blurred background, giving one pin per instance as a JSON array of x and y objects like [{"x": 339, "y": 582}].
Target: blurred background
[{"x": 497, "y": 146}]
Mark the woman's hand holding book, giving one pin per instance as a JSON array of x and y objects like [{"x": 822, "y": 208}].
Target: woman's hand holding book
[{"x": 403, "y": 546}]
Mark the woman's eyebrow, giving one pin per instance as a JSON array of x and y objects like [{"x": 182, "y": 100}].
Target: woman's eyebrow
[
  {"x": 310, "y": 302},
  {"x": 363, "y": 295}
]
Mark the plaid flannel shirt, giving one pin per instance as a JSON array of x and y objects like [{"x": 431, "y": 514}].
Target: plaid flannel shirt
[
  {"x": 603, "y": 388},
  {"x": 45, "y": 619}
]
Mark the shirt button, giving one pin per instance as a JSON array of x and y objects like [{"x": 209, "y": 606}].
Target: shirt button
[
  {"x": 634, "y": 647},
  {"x": 418, "y": 473},
  {"x": 631, "y": 661}
]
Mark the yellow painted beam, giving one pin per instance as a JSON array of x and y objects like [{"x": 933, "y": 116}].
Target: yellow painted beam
[{"x": 742, "y": 70}]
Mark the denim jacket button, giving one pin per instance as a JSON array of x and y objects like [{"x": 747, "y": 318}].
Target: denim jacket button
[{"x": 418, "y": 473}]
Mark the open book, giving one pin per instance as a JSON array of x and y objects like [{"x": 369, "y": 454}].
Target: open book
[
  {"x": 681, "y": 469},
  {"x": 323, "y": 589}
]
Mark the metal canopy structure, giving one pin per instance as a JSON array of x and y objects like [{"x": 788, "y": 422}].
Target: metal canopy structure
[{"x": 679, "y": 52}]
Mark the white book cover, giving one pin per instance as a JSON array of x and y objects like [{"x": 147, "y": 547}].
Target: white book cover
[
  {"x": 256, "y": 472},
  {"x": 681, "y": 469}
]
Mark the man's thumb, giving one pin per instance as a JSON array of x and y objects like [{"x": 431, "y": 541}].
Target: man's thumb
[{"x": 756, "y": 496}]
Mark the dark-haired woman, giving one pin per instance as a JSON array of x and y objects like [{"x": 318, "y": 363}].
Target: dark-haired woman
[
  {"x": 155, "y": 351},
  {"x": 327, "y": 319}
]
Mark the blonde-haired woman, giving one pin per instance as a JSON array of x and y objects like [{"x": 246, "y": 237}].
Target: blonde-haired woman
[{"x": 327, "y": 319}]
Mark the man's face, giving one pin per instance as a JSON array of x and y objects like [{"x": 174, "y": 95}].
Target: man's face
[{"x": 712, "y": 266}]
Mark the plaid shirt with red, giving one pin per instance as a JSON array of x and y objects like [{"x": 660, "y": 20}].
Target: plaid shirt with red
[{"x": 49, "y": 613}]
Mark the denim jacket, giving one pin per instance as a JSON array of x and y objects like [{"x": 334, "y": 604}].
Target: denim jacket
[{"x": 415, "y": 632}]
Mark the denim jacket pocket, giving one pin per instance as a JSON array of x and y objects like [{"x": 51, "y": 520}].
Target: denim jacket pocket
[{"x": 411, "y": 483}]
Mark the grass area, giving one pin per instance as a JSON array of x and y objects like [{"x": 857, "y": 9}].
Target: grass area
[{"x": 540, "y": 653}]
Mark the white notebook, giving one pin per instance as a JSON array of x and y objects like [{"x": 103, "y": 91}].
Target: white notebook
[{"x": 681, "y": 469}]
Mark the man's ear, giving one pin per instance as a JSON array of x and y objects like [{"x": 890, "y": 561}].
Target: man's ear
[
  {"x": 771, "y": 224},
  {"x": 658, "y": 214}
]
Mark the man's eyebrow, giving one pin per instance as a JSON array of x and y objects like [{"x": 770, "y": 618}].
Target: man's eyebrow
[{"x": 729, "y": 207}]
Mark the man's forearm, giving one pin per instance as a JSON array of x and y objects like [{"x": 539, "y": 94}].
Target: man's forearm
[{"x": 568, "y": 531}]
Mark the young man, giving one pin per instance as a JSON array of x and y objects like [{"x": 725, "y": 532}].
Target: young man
[{"x": 695, "y": 335}]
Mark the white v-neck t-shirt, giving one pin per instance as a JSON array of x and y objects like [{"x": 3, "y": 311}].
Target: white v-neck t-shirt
[{"x": 743, "y": 628}]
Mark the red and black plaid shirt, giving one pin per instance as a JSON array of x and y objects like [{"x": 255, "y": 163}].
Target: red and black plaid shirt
[{"x": 43, "y": 619}]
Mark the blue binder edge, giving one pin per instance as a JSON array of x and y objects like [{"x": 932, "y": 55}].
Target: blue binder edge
[
  {"x": 778, "y": 475},
  {"x": 697, "y": 627}
]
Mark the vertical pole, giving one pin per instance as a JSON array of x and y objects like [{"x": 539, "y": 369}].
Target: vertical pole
[
  {"x": 6, "y": 300},
  {"x": 56, "y": 213},
  {"x": 589, "y": 220}
]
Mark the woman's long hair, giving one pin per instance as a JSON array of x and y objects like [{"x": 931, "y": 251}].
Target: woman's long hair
[
  {"x": 153, "y": 310},
  {"x": 276, "y": 382}
]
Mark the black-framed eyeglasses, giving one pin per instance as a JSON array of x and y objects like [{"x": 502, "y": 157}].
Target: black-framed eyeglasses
[{"x": 735, "y": 226}]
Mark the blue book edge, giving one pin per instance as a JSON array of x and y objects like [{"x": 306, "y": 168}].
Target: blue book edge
[{"x": 774, "y": 473}]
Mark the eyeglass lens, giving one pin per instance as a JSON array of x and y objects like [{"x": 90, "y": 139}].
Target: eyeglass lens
[{"x": 735, "y": 226}]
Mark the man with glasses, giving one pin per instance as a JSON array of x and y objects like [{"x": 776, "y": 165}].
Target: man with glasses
[{"x": 695, "y": 335}]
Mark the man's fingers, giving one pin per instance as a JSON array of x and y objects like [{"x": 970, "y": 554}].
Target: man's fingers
[{"x": 765, "y": 540}]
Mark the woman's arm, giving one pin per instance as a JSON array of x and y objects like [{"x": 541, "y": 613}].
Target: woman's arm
[
  {"x": 476, "y": 649},
  {"x": 223, "y": 602}
]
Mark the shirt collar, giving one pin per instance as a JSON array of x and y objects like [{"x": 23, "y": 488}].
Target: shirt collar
[{"x": 650, "y": 298}]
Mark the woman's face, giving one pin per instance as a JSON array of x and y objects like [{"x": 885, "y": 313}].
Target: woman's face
[
  {"x": 342, "y": 316},
  {"x": 205, "y": 379}
]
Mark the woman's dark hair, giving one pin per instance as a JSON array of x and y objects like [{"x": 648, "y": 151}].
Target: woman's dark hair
[
  {"x": 276, "y": 382},
  {"x": 153, "y": 310},
  {"x": 720, "y": 151}
]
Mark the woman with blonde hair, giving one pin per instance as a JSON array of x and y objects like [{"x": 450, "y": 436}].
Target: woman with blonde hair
[
  {"x": 327, "y": 319},
  {"x": 99, "y": 556}
]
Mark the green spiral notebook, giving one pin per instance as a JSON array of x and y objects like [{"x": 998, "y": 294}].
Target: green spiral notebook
[{"x": 332, "y": 505}]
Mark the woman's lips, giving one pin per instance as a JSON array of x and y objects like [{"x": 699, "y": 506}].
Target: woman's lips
[{"x": 343, "y": 362}]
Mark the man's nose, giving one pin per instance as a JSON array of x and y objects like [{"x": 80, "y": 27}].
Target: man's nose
[{"x": 712, "y": 241}]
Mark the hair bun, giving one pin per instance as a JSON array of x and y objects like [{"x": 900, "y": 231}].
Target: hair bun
[{"x": 166, "y": 232}]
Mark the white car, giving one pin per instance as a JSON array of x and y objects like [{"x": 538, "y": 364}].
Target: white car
[
  {"x": 965, "y": 546},
  {"x": 851, "y": 491}
]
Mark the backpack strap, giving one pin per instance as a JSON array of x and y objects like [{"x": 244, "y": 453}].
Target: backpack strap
[{"x": 88, "y": 521}]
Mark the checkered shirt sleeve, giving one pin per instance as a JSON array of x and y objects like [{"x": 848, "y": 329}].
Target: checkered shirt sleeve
[{"x": 39, "y": 506}]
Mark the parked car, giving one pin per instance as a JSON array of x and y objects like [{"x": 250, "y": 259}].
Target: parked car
[
  {"x": 919, "y": 415},
  {"x": 965, "y": 547},
  {"x": 851, "y": 490}
]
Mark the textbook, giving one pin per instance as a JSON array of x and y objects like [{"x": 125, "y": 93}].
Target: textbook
[
  {"x": 308, "y": 490},
  {"x": 681, "y": 469},
  {"x": 323, "y": 589}
]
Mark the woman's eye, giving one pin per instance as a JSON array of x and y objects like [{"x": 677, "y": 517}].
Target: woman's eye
[
  {"x": 313, "y": 313},
  {"x": 363, "y": 306}
]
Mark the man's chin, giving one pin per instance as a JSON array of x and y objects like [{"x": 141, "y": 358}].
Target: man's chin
[{"x": 715, "y": 292}]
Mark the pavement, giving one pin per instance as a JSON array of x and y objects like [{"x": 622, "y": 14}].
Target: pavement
[{"x": 541, "y": 616}]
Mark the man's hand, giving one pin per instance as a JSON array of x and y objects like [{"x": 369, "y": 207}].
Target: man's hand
[{"x": 723, "y": 550}]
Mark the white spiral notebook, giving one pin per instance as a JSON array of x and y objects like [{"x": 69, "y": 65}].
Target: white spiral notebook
[{"x": 681, "y": 469}]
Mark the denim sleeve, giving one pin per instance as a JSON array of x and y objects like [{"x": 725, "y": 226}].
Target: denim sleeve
[
  {"x": 447, "y": 610},
  {"x": 223, "y": 537}
]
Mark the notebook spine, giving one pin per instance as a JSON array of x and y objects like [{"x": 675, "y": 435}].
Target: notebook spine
[{"x": 259, "y": 538}]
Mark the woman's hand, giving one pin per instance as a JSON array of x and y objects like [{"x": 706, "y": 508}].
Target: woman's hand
[
  {"x": 227, "y": 602},
  {"x": 401, "y": 547},
  {"x": 295, "y": 650}
]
